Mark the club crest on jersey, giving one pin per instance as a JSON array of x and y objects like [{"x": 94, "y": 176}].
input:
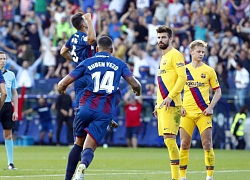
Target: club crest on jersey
[
  {"x": 203, "y": 75},
  {"x": 164, "y": 63}
]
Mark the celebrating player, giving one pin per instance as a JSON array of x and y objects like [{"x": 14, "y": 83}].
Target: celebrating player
[
  {"x": 80, "y": 47},
  {"x": 171, "y": 79},
  {"x": 197, "y": 109},
  {"x": 97, "y": 104}
]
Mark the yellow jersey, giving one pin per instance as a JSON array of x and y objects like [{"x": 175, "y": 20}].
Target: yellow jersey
[
  {"x": 171, "y": 77},
  {"x": 196, "y": 89}
]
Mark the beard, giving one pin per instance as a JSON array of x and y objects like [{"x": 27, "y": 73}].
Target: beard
[{"x": 163, "y": 46}]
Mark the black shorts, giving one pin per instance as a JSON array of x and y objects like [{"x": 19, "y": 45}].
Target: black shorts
[{"x": 6, "y": 116}]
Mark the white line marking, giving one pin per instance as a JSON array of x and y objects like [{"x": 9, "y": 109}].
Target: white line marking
[{"x": 122, "y": 172}]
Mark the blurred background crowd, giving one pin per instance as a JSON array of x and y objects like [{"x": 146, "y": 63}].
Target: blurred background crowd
[{"x": 32, "y": 32}]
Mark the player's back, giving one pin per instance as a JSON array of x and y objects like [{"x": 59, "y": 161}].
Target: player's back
[
  {"x": 79, "y": 47},
  {"x": 103, "y": 73}
]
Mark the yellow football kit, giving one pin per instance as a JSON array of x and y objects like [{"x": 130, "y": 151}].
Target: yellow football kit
[
  {"x": 171, "y": 80},
  {"x": 196, "y": 97}
]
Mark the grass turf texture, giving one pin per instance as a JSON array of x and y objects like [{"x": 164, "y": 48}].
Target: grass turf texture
[{"x": 48, "y": 163}]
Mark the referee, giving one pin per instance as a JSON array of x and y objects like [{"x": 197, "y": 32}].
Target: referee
[{"x": 9, "y": 114}]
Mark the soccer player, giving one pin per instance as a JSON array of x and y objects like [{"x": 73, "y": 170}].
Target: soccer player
[
  {"x": 98, "y": 102},
  {"x": 43, "y": 108},
  {"x": 80, "y": 47},
  {"x": 197, "y": 109},
  {"x": 8, "y": 114},
  {"x": 171, "y": 80}
]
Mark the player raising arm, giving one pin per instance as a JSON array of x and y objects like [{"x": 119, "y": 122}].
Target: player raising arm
[
  {"x": 97, "y": 103},
  {"x": 80, "y": 47},
  {"x": 197, "y": 108}
]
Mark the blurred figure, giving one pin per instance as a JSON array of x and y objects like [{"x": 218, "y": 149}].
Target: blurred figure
[
  {"x": 241, "y": 83},
  {"x": 133, "y": 109},
  {"x": 63, "y": 105},
  {"x": 237, "y": 128},
  {"x": 8, "y": 113},
  {"x": 43, "y": 108}
]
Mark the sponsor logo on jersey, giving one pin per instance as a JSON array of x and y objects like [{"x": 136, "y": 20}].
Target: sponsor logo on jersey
[
  {"x": 161, "y": 72},
  {"x": 180, "y": 64},
  {"x": 203, "y": 75},
  {"x": 192, "y": 84}
]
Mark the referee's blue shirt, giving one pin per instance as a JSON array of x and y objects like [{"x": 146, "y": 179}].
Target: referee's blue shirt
[{"x": 10, "y": 82}]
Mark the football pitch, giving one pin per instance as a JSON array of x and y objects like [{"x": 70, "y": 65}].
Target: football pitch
[{"x": 121, "y": 163}]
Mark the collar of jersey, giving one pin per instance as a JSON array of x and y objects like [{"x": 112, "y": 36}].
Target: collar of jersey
[
  {"x": 80, "y": 32},
  {"x": 103, "y": 53}
]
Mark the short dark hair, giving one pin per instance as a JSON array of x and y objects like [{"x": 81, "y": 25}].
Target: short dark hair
[
  {"x": 1, "y": 52},
  {"x": 104, "y": 42},
  {"x": 77, "y": 20},
  {"x": 240, "y": 64},
  {"x": 165, "y": 29}
]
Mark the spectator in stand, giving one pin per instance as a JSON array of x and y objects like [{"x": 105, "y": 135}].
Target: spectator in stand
[
  {"x": 133, "y": 110},
  {"x": 154, "y": 62},
  {"x": 59, "y": 14},
  {"x": 213, "y": 59},
  {"x": 195, "y": 5},
  {"x": 213, "y": 15},
  {"x": 174, "y": 8},
  {"x": 200, "y": 31},
  {"x": 8, "y": 10},
  {"x": 120, "y": 48},
  {"x": 139, "y": 59},
  {"x": 141, "y": 33},
  {"x": 161, "y": 10},
  {"x": 242, "y": 57},
  {"x": 114, "y": 26},
  {"x": 184, "y": 49},
  {"x": 241, "y": 83},
  {"x": 33, "y": 38},
  {"x": 25, "y": 73},
  {"x": 197, "y": 17},
  {"x": 239, "y": 10}
]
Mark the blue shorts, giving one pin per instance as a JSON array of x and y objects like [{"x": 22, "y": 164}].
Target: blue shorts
[
  {"x": 132, "y": 132},
  {"x": 90, "y": 121},
  {"x": 46, "y": 126}
]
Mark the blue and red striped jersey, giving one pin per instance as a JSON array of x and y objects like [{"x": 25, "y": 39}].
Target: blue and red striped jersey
[{"x": 102, "y": 73}]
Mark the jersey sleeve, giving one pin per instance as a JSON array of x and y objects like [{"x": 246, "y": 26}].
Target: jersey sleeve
[
  {"x": 67, "y": 44},
  {"x": 14, "y": 83},
  {"x": 214, "y": 83},
  {"x": 179, "y": 66},
  {"x": 78, "y": 71},
  {"x": 126, "y": 71},
  {"x": 1, "y": 78}
]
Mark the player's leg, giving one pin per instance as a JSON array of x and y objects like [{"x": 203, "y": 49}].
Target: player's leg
[
  {"x": 168, "y": 125},
  {"x": 97, "y": 128},
  {"x": 205, "y": 126},
  {"x": 186, "y": 130}
]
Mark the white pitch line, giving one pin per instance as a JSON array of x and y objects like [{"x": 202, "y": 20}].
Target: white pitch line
[{"x": 127, "y": 172}]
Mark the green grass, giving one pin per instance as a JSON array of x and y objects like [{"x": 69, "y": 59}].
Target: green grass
[{"x": 48, "y": 163}]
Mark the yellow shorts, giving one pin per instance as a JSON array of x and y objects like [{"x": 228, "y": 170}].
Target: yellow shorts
[
  {"x": 191, "y": 120},
  {"x": 168, "y": 120}
]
